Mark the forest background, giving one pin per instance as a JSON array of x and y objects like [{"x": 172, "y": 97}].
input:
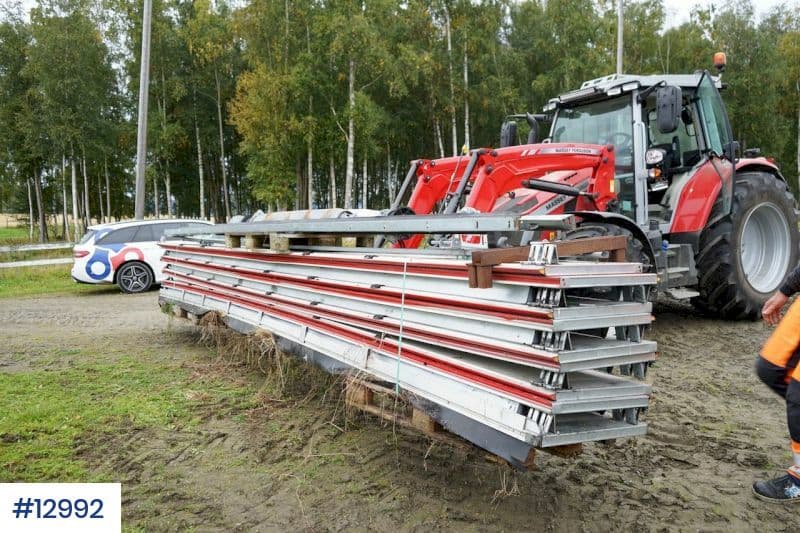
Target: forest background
[{"x": 286, "y": 104}]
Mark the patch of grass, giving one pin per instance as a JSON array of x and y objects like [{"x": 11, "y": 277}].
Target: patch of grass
[
  {"x": 19, "y": 235},
  {"x": 45, "y": 414},
  {"x": 51, "y": 279},
  {"x": 8, "y": 257}
]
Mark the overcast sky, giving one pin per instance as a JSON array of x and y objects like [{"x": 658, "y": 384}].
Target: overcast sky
[{"x": 677, "y": 10}]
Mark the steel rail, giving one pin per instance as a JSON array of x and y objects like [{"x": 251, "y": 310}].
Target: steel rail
[
  {"x": 387, "y": 225},
  {"x": 513, "y": 314}
]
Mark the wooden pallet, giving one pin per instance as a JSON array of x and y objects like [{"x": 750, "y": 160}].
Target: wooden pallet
[
  {"x": 361, "y": 394},
  {"x": 280, "y": 242}
]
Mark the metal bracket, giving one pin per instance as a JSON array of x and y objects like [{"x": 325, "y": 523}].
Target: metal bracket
[{"x": 543, "y": 253}]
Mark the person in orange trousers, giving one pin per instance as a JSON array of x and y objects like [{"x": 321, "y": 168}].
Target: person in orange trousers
[{"x": 777, "y": 366}]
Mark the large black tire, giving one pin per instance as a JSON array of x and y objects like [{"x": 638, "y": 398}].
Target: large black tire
[{"x": 762, "y": 203}]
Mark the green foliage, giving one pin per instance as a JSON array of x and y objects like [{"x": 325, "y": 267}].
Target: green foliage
[{"x": 277, "y": 73}]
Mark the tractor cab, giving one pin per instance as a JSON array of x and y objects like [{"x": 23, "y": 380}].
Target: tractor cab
[{"x": 662, "y": 128}]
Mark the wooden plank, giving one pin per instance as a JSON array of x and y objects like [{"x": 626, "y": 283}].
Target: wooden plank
[
  {"x": 251, "y": 242},
  {"x": 484, "y": 277},
  {"x": 278, "y": 243},
  {"x": 472, "y": 273},
  {"x": 497, "y": 256},
  {"x": 233, "y": 241},
  {"x": 424, "y": 422},
  {"x": 591, "y": 245},
  {"x": 567, "y": 450},
  {"x": 358, "y": 394}
]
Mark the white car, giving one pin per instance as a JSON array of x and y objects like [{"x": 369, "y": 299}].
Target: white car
[{"x": 125, "y": 253}]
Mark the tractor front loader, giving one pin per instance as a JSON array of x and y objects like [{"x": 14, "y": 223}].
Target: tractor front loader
[{"x": 649, "y": 157}]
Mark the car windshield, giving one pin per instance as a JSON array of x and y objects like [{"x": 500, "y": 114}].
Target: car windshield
[{"x": 87, "y": 236}]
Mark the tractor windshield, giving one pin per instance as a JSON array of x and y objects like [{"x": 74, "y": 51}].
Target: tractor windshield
[{"x": 605, "y": 122}]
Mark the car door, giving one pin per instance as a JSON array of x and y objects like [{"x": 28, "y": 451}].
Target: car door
[
  {"x": 111, "y": 250},
  {"x": 146, "y": 241}
]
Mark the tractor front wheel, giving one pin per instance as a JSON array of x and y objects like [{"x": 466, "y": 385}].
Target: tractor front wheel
[{"x": 744, "y": 256}]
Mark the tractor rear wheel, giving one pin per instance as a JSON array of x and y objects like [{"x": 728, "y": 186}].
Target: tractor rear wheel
[{"x": 744, "y": 256}]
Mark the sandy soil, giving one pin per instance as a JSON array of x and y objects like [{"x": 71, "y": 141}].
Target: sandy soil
[{"x": 291, "y": 465}]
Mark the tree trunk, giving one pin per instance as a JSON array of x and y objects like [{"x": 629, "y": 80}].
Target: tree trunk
[
  {"x": 222, "y": 150},
  {"x": 452, "y": 88},
  {"x": 37, "y": 183},
  {"x": 75, "y": 219},
  {"x": 168, "y": 185},
  {"x": 797, "y": 86},
  {"x": 108, "y": 191},
  {"x": 389, "y": 180},
  {"x": 333, "y": 184},
  {"x": 438, "y": 135},
  {"x": 65, "y": 225},
  {"x": 100, "y": 200},
  {"x": 156, "y": 206},
  {"x": 86, "y": 211},
  {"x": 466, "y": 98},
  {"x": 364, "y": 185},
  {"x": 300, "y": 183},
  {"x": 30, "y": 210},
  {"x": 200, "y": 171},
  {"x": 310, "y": 171},
  {"x": 351, "y": 138}
]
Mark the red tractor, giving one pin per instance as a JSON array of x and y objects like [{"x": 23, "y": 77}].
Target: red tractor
[{"x": 651, "y": 157}]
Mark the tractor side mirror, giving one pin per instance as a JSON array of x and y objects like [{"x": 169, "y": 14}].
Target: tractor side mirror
[
  {"x": 508, "y": 134},
  {"x": 668, "y": 108}
]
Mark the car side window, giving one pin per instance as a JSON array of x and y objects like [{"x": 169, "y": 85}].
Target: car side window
[
  {"x": 120, "y": 236},
  {"x": 144, "y": 234},
  {"x": 161, "y": 228}
]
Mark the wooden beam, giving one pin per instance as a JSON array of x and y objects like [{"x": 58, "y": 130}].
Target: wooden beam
[
  {"x": 592, "y": 245},
  {"x": 497, "y": 256}
]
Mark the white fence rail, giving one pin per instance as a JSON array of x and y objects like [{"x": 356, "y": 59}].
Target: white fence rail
[{"x": 35, "y": 247}]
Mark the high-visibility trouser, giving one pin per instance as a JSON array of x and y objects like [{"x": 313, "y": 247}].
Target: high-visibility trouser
[{"x": 778, "y": 368}]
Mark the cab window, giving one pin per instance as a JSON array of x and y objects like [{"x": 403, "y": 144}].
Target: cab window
[
  {"x": 682, "y": 144},
  {"x": 713, "y": 116}
]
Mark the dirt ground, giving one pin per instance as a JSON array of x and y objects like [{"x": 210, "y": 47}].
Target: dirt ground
[{"x": 289, "y": 463}]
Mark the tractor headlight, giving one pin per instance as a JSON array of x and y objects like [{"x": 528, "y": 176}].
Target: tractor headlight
[{"x": 654, "y": 156}]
